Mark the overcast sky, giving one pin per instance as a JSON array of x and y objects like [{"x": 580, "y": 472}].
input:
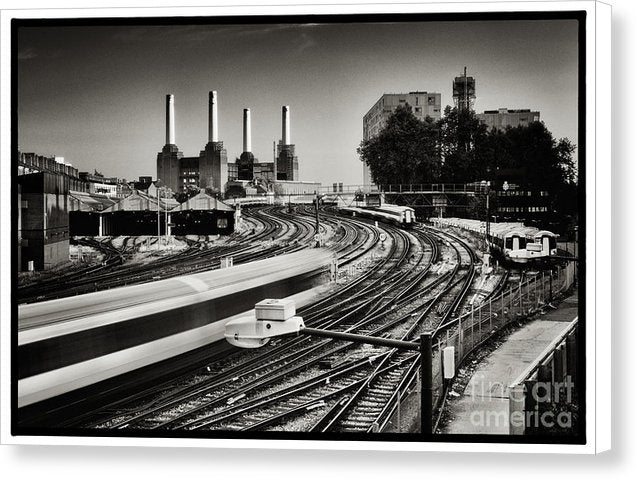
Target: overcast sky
[{"x": 96, "y": 95}]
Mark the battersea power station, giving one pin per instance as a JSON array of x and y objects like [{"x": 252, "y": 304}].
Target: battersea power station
[{"x": 211, "y": 168}]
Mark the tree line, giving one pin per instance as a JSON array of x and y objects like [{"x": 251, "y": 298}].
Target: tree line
[{"x": 459, "y": 148}]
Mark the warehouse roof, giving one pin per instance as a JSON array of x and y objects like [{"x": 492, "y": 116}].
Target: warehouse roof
[
  {"x": 87, "y": 202},
  {"x": 203, "y": 201},
  {"x": 138, "y": 201}
]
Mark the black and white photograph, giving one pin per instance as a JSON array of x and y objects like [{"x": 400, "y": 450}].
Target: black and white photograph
[{"x": 365, "y": 227}]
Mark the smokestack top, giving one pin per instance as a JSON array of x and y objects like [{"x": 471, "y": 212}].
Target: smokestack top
[
  {"x": 213, "y": 121},
  {"x": 170, "y": 119},
  {"x": 247, "y": 134},
  {"x": 285, "y": 125}
]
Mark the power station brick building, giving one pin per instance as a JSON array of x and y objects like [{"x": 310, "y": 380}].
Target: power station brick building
[{"x": 211, "y": 168}]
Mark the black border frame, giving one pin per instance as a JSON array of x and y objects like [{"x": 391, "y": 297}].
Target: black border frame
[{"x": 579, "y": 15}]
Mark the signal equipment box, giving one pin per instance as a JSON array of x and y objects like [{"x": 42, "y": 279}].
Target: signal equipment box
[{"x": 275, "y": 309}]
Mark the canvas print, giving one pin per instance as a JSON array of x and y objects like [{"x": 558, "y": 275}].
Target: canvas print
[{"x": 328, "y": 227}]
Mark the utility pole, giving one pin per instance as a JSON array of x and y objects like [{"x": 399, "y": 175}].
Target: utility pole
[
  {"x": 488, "y": 223},
  {"x": 318, "y": 242},
  {"x": 166, "y": 215},
  {"x": 158, "y": 216},
  {"x": 426, "y": 400}
]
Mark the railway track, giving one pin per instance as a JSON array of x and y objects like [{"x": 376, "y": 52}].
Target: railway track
[
  {"x": 359, "y": 238},
  {"x": 293, "y": 234},
  {"x": 190, "y": 404},
  {"x": 305, "y": 384},
  {"x": 358, "y": 402}
]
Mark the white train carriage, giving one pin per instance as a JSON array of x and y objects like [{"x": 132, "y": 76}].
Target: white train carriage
[
  {"x": 548, "y": 241},
  {"x": 515, "y": 241},
  {"x": 404, "y": 217}
]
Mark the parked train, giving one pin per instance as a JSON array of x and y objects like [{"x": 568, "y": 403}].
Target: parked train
[
  {"x": 513, "y": 241},
  {"x": 404, "y": 217}
]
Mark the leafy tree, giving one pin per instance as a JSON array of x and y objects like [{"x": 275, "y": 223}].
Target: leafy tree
[
  {"x": 405, "y": 151},
  {"x": 459, "y": 148},
  {"x": 213, "y": 192},
  {"x": 534, "y": 151},
  {"x": 189, "y": 192},
  {"x": 463, "y": 146},
  {"x": 235, "y": 190}
]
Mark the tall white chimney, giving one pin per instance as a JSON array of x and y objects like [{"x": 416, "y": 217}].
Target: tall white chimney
[
  {"x": 285, "y": 134},
  {"x": 213, "y": 125},
  {"x": 170, "y": 119},
  {"x": 247, "y": 135}
]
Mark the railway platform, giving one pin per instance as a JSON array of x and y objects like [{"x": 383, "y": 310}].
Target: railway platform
[{"x": 484, "y": 402}]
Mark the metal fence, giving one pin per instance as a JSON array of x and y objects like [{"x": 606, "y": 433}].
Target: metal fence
[
  {"x": 540, "y": 398},
  {"x": 470, "y": 330},
  {"x": 473, "y": 328},
  {"x": 405, "y": 188}
]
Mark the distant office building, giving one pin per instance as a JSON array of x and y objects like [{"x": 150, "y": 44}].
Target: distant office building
[
  {"x": 503, "y": 118},
  {"x": 33, "y": 163},
  {"x": 422, "y": 104},
  {"x": 43, "y": 189},
  {"x": 43, "y": 220},
  {"x": 101, "y": 185},
  {"x": 142, "y": 184}
]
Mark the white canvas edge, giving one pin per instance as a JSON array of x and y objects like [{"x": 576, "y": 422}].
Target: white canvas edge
[
  {"x": 602, "y": 176},
  {"x": 598, "y": 200}
]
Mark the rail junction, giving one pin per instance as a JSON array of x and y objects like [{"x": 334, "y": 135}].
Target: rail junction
[{"x": 381, "y": 281}]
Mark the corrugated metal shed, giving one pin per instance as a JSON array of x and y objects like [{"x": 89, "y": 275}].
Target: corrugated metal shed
[
  {"x": 87, "y": 202},
  {"x": 139, "y": 201},
  {"x": 203, "y": 201}
]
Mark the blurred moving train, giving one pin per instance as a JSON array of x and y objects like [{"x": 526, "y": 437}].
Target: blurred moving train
[
  {"x": 73, "y": 342},
  {"x": 512, "y": 241},
  {"x": 404, "y": 217}
]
